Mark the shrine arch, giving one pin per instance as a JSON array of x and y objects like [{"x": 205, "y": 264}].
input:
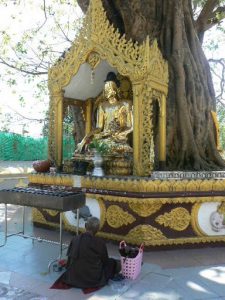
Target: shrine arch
[{"x": 99, "y": 42}]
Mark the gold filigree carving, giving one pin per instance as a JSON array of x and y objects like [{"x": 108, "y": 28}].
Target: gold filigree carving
[
  {"x": 150, "y": 201},
  {"x": 143, "y": 64},
  {"x": 125, "y": 88},
  {"x": 135, "y": 240},
  {"x": 38, "y": 217},
  {"x": 117, "y": 217},
  {"x": 93, "y": 59},
  {"x": 47, "y": 179},
  {"x": 146, "y": 234},
  {"x": 143, "y": 185},
  {"x": 51, "y": 212},
  {"x": 147, "y": 144},
  {"x": 144, "y": 209},
  {"x": 177, "y": 219}
]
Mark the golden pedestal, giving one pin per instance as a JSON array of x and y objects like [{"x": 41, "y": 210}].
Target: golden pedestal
[
  {"x": 137, "y": 210},
  {"x": 121, "y": 165}
]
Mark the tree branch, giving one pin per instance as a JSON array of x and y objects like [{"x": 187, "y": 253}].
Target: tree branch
[
  {"x": 221, "y": 62},
  {"x": 22, "y": 116},
  {"x": 45, "y": 14},
  {"x": 35, "y": 73},
  {"x": 208, "y": 17},
  {"x": 64, "y": 34},
  {"x": 83, "y": 5}
]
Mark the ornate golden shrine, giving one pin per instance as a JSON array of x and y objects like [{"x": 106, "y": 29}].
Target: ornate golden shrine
[
  {"x": 143, "y": 64},
  {"x": 139, "y": 210},
  {"x": 176, "y": 219}
]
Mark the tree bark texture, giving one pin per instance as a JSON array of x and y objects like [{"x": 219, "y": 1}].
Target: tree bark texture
[
  {"x": 79, "y": 129},
  {"x": 191, "y": 141}
]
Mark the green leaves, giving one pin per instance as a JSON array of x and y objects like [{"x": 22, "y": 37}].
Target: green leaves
[
  {"x": 20, "y": 47},
  {"x": 11, "y": 82},
  {"x": 100, "y": 146}
]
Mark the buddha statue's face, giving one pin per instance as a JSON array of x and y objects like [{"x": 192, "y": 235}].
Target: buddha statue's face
[{"x": 110, "y": 89}]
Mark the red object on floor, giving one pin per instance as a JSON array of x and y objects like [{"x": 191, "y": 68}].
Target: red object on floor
[
  {"x": 60, "y": 285},
  {"x": 62, "y": 263},
  {"x": 90, "y": 290}
]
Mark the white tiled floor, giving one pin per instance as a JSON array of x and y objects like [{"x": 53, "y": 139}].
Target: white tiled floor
[
  {"x": 166, "y": 275},
  {"x": 190, "y": 274}
]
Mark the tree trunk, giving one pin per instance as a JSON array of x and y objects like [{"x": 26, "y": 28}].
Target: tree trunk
[
  {"x": 79, "y": 129},
  {"x": 191, "y": 140}
]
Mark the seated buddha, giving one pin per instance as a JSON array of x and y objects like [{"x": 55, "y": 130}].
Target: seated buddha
[{"x": 114, "y": 120}]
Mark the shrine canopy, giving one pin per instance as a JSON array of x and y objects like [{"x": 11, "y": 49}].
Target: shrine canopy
[
  {"x": 88, "y": 83},
  {"x": 98, "y": 49}
]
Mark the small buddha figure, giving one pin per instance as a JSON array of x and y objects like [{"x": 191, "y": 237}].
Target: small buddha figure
[{"x": 114, "y": 120}]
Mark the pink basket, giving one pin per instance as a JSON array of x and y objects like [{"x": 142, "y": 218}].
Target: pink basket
[{"x": 131, "y": 267}]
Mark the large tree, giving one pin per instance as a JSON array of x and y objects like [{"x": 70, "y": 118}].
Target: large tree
[
  {"x": 178, "y": 25},
  {"x": 191, "y": 142}
]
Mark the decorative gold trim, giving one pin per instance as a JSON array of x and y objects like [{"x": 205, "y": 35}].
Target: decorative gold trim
[
  {"x": 51, "y": 212},
  {"x": 162, "y": 128},
  {"x": 93, "y": 59},
  {"x": 162, "y": 242},
  {"x": 145, "y": 233},
  {"x": 142, "y": 185},
  {"x": 39, "y": 218},
  {"x": 177, "y": 219},
  {"x": 148, "y": 201},
  {"x": 116, "y": 217},
  {"x": 134, "y": 238},
  {"x": 144, "y": 209},
  {"x": 42, "y": 178}
]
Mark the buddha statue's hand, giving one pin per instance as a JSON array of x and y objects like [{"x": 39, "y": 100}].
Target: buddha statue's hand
[
  {"x": 86, "y": 140},
  {"x": 120, "y": 137},
  {"x": 80, "y": 146}
]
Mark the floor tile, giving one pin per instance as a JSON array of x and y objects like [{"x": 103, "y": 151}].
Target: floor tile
[
  {"x": 5, "y": 277},
  {"x": 187, "y": 274}
]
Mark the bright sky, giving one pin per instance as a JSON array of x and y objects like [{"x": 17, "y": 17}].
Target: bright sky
[
  {"x": 215, "y": 53},
  {"x": 28, "y": 14},
  {"x": 9, "y": 96},
  {"x": 34, "y": 109}
]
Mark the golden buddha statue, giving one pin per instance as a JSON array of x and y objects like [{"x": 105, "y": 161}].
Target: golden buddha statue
[{"x": 114, "y": 120}]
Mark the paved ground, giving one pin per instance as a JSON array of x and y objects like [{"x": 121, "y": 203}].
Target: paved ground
[
  {"x": 15, "y": 167},
  {"x": 175, "y": 274},
  {"x": 166, "y": 275}
]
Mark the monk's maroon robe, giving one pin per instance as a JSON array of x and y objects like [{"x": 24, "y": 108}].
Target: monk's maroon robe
[{"x": 88, "y": 263}]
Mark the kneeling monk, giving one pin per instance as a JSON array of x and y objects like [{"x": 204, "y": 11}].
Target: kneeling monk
[{"x": 88, "y": 263}]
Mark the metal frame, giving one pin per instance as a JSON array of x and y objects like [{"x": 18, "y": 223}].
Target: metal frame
[{"x": 22, "y": 234}]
